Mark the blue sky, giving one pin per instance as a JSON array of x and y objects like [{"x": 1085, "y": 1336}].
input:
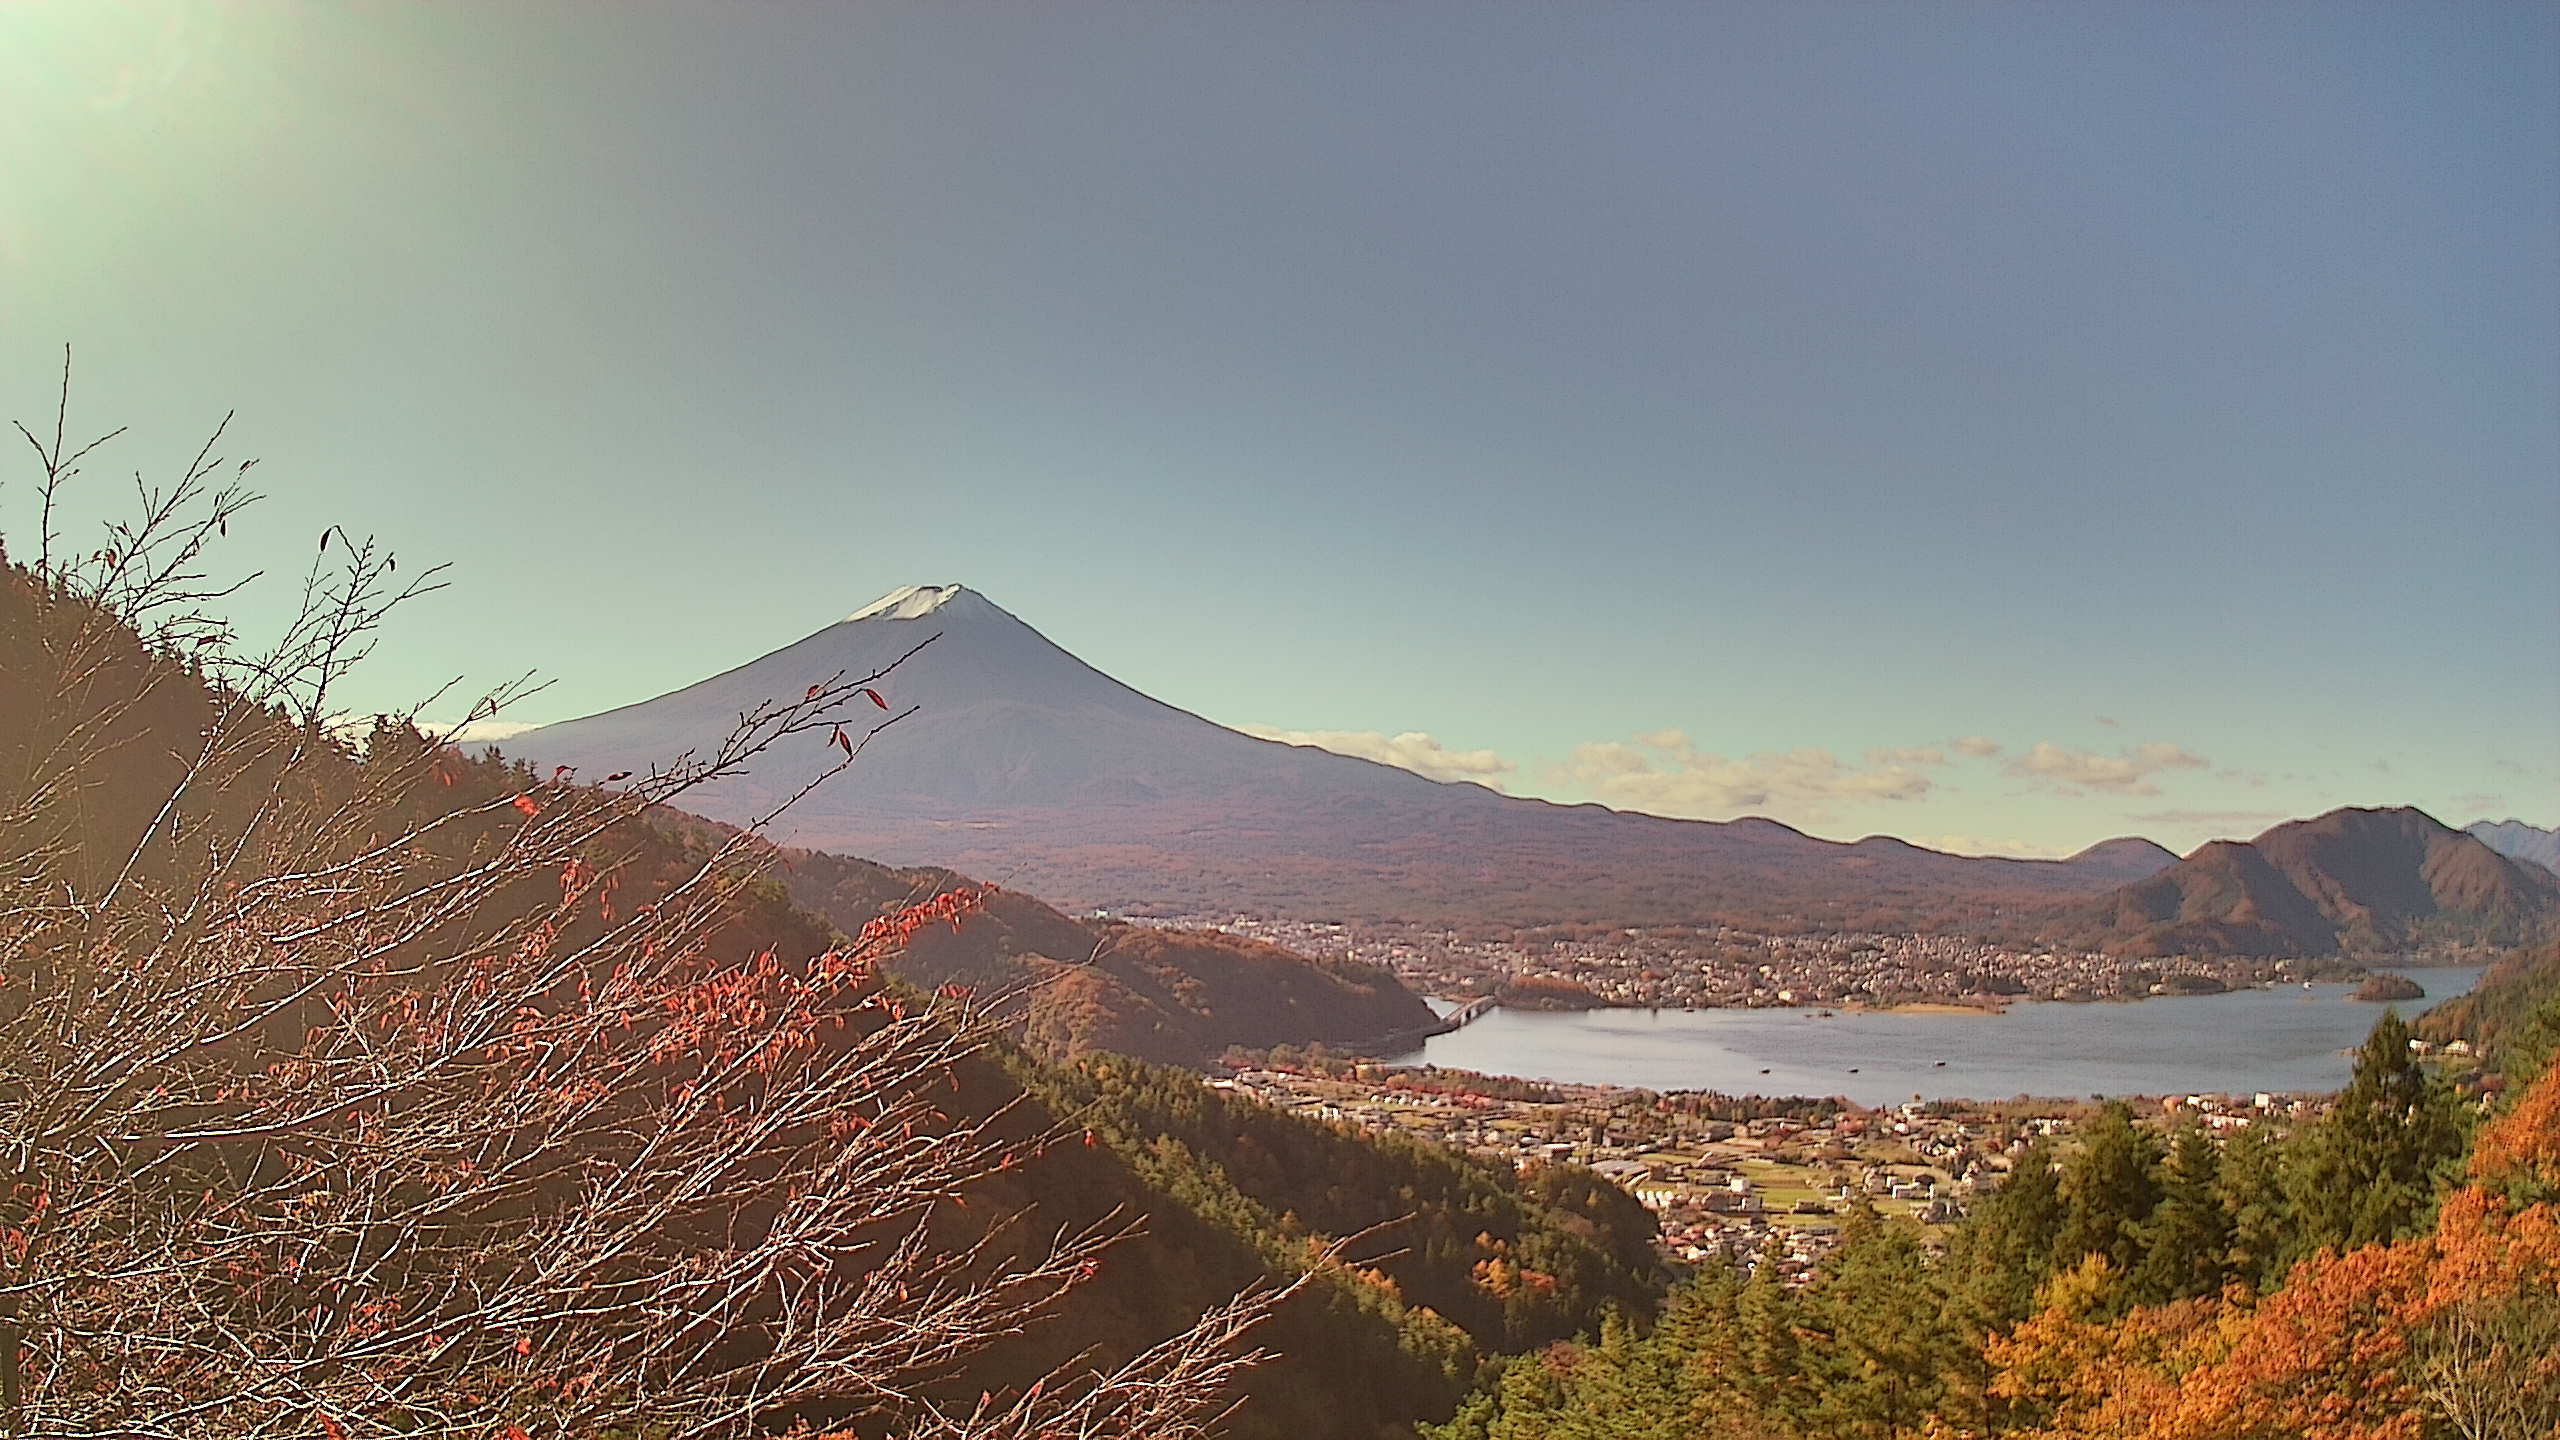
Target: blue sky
[{"x": 1710, "y": 409}]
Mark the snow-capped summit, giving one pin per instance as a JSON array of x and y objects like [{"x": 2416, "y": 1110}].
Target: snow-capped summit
[
  {"x": 909, "y": 602},
  {"x": 1004, "y": 714}
]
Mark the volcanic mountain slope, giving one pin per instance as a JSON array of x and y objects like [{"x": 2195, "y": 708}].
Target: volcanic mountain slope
[
  {"x": 1029, "y": 766},
  {"x": 2518, "y": 841},
  {"x": 2350, "y": 880}
]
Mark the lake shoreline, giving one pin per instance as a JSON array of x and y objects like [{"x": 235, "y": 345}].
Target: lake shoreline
[
  {"x": 1979, "y": 1003},
  {"x": 2282, "y": 1038}
]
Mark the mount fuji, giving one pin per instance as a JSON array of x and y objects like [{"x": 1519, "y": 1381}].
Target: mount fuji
[{"x": 1028, "y": 766}]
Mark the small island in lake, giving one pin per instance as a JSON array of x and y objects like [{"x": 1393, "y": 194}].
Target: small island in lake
[
  {"x": 2186, "y": 984},
  {"x": 2382, "y": 985}
]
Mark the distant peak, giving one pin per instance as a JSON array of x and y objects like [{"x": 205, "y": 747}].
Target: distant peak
[{"x": 909, "y": 602}]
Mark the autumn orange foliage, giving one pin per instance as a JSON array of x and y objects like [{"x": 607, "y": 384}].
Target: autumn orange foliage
[
  {"x": 2453, "y": 1332},
  {"x": 2524, "y": 1143}
]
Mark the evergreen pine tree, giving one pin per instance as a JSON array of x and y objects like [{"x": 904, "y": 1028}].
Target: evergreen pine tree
[
  {"x": 2187, "y": 1241},
  {"x": 2528, "y": 1048},
  {"x": 2367, "y": 1172},
  {"x": 2109, "y": 1187},
  {"x": 2006, "y": 1248},
  {"x": 1700, "y": 1335},
  {"x": 1890, "y": 1355},
  {"x": 2249, "y": 1184},
  {"x": 1771, "y": 1355}
]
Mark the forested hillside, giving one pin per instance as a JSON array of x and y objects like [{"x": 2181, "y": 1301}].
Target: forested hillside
[
  {"x": 2509, "y": 1011},
  {"x": 1432, "y": 1261},
  {"x": 367, "y": 1087},
  {"x": 1179, "y": 996},
  {"x": 2383, "y": 1273},
  {"x": 362, "y": 1087}
]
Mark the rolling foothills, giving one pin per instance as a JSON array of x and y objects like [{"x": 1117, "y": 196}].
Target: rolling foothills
[
  {"x": 406, "y": 1056},
  {"x": 1479, "y": 1259},
  {"x": 1023, "y": 762}
]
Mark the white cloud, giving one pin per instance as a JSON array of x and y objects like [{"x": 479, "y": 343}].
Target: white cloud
[
  {"x": 1664, "y": 773},
  {"x": 1908, "y": 755},
  {"x": 481, "y": 732},
  {"x": 2257, "y": 819},
  {"x": 356, "y": 730},
  {"x": 1413, "y": 750},
  {"x": 1979, "y": 747},
  {"x": 1979, "y": 845},
  {"x": 2131, "y": 771}
]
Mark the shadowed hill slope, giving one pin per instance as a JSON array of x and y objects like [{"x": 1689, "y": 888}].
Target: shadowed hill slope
[
  {"x": 2351, "y": 880},
  {"x": 1179, "y": 996},
  {"x": 2521, "y": 983}
]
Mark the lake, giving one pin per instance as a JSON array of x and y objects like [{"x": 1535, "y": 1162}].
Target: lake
[{"x": 2249, "y": 1040}]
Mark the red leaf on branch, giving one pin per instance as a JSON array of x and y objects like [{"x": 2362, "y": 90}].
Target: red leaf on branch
[
  {"x": 526, "y": 804},
  {"x": 617, "y": 775},
  {"x": 812, "y": 695},
  {"x": 525, "y": 1346},
  {"x": 841, "y": 742},
  {"x": 875, "y": 697}
]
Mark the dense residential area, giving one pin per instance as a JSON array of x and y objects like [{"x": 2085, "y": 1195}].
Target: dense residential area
[
  {"x": 1748, "y": 1179},
  {"x": 1731, "y": 967}
]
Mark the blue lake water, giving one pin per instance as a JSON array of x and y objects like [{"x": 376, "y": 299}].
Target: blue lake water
[{"x": 2249, "y": 1040}]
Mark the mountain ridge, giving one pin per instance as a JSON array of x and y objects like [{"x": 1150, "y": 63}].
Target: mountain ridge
[
  {"x": 1029, "y": 765},
  {"x": 2352, "y": 880},
  {"x": 2517, "y": 840}
]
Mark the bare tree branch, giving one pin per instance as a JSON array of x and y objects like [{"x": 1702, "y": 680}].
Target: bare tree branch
[{"x": 386, "y": 1093}]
